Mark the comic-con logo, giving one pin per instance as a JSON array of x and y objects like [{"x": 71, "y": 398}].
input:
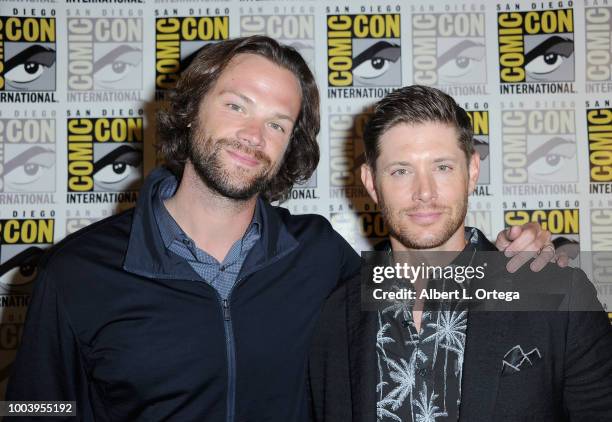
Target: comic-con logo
[
  {"x": 27, "y": 155},
  {"x": 480, "y": 126},
  {"x": 599, "y": 133},
  {"x": 104, "y": 154},
  {"x": 177, "y": 39},
  {"x": 536, "y": 47},
  {"x": 27, "y": 57},
  {"x": 104, "y": 54},
  {"x": 560, "y": 222},
  {"x": 346, "y": 155},
  {"x": 601, "y": 246},
  {"x": 448, "y": 51},
  {"x": 296, "y": 31},
  {"x": 363, "y": 51},
  {"x": 598, "y": 47},
  {"x": 539, "y": 148},
  {"x": 22, "y": 243}
]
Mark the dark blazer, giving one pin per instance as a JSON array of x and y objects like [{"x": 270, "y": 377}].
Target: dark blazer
[{"x": 572, "y": 380}]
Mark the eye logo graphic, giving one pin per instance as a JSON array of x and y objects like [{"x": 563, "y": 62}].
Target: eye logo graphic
[
  {"x": 104, "y": 154},
  {"x": 27, "y": 54},
  {"x": 536, "y": 46},
  {"x": 364, "y": 50},
  {"x": 539, "y": 146},
  {"x": 177, "y": 40},
  {"x": 449, "y": 49},
  {"x": 27, "y": 149},
  {"x": 104, "y": 54},
  {"x": 480, "y": 126},
  {"x": 21, "y": 247}
]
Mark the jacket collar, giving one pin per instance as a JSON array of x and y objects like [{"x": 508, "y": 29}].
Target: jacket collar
[{"x": 146, "y": 254}]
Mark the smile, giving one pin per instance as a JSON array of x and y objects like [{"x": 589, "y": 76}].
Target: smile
[{"x": 243, "y": 159}]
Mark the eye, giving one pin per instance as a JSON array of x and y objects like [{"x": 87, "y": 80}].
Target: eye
[
  {"x": 444, "y": 167},
  {"x": 116, "y": 65},
  {"x": 460, "y": 60},
  {"x": 372, "y": 68},
  {"x": 375, "y": 60},
  {"x": 29, "y": 166},
  {"x": 549, "y": 55},
  {"x": 277, "y": 127},
  {"x": 25, "y": 73},
  {"x": 399, "y": 172},
  {"x": 118, "y": 165},
  {"x": 29, "y": 64},
  {"x": 235, "y": 107},
  {"x": 551, "y": 157}
]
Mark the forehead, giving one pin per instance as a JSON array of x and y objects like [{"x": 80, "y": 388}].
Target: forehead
[{"x": 419, "y": 138}]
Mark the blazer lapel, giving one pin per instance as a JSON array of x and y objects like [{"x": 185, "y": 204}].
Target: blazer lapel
[{"x": 362, "y": 357}]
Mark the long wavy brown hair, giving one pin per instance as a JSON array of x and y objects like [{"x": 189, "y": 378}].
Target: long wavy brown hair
[{"x": 173, "y": 121}]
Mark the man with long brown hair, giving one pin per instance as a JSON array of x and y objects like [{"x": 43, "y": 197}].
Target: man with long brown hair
[{"x": 198, "y": 304}]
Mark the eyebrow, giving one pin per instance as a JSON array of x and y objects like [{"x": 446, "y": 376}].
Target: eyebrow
[
  {"x": 24, "y": 157},
  {"x": 130, "y": 155},
  {"x": 250, "y": 101},
  {"x": 543, "y": 149},
  {"x": 391, "y": 50},
  {"x": 454, "y": 51},
  {"x": 113, "y": 54},
  {"x": 564, "y": 47},
  {"x": 36, "y": 53}
]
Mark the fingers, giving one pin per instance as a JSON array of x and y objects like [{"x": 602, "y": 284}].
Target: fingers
[
  {"x": 505, "y": 237},
  {"x": 518, "y": 260},
  {"x": 546, "y": 255},
  {"x": 527, "y": 240},
  {"x": 563, "y": 259}
]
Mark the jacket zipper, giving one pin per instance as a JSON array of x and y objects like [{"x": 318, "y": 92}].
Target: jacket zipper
[{"x": 231, "y": 360}]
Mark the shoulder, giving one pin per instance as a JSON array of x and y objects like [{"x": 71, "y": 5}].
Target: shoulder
[
  {"x": 101, "y": 243},
  {"x": 308, "y": 226}
]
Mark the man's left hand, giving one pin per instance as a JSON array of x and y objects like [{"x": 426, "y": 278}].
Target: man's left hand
[{"x": 522, "y": 243}]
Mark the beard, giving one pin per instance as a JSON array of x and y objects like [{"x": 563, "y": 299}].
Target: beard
[
  {"x": 412, "y": 239},
  {"x": 238, "y": 184}
]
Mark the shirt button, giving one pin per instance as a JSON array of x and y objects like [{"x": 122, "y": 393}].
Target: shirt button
[
  {"x": 186, "y": 242},
  {"x": 405, "y": 323},
  {"x": 222, "y": 268}
]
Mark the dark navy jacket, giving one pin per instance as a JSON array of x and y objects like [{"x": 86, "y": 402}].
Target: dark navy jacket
[{"x": 131, "y": 333}]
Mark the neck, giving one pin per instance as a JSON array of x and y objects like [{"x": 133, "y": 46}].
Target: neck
[{"x": 213, "y": 221}]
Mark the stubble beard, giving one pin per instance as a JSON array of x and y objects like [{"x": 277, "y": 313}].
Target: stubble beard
[
  {"x": 205, "y": 156},
  {"x": 410, "y": 240}
]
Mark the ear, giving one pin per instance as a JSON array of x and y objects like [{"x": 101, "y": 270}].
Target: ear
[
  {"x": 473, "y": 171},
  {"x": 367, "y": 178}
]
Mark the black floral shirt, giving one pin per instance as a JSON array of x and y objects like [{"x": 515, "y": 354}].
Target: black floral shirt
[{"x": 419, "y": 372}]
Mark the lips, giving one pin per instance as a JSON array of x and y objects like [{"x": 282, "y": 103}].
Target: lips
[
  {"x": 425, "y": 217},
  {"x": 243, "y": 158}
]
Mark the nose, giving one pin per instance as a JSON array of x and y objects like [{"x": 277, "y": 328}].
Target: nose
[
  {"x": 251, "y": 132},
  {"x": 425, "y": 187}
]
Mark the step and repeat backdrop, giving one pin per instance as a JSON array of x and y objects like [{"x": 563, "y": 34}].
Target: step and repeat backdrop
[{"x": 80, "y": 82}]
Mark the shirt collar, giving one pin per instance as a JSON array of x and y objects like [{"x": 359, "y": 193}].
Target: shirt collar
[{"x": 169, "y": 228}]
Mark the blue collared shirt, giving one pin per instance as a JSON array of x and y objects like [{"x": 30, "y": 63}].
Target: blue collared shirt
[{"x": 221, "y": 276}]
